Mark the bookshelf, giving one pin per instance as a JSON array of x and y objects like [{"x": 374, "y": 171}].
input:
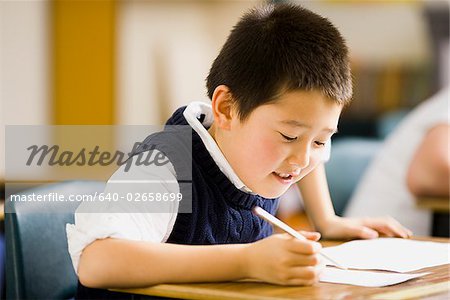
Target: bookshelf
[
  {"x": 384, "y": 88},
  {"x": 398, "y": 51}
]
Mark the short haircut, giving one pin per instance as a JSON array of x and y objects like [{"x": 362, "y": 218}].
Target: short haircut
[{"x": 278, "y": 48}]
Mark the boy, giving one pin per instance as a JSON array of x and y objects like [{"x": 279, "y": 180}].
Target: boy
[{"x": 277, "y": 88}]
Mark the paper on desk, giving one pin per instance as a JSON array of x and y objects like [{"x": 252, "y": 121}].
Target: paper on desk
[
  {"x": 390, "y": 254},
  {"x": 365, "y": 278}
]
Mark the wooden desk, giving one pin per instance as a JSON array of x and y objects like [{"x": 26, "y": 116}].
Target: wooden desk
[
  {"x": 436, "y": 286},
  {"x": 436, "y": 204},
  {"x": 440, "y": 208}
]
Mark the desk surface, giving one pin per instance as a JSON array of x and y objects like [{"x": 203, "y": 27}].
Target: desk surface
[
  {"x": 435, "y": 204},
  {"x": 435, "y": 285}
]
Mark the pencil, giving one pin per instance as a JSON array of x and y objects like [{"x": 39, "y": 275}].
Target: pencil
[{"x": 283, "y": 226}]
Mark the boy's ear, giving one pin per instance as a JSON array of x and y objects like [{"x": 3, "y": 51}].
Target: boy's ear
[{"x": 222, "y": 107}]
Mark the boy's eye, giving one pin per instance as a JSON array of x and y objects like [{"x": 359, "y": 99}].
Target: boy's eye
[
  {"x": 320, "y": 144},
  {"x": 288, "y": 138}
]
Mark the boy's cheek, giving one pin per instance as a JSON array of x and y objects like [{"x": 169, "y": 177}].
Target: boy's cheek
[
  {"x": 266, "y": 154},
  {"x": 314, "y": 162}
]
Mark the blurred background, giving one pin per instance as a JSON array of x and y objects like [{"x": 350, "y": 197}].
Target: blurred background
[{"x": 134, "y": 62}]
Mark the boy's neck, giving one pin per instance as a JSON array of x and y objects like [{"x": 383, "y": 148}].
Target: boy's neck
[
  {"x": 218, "y": 139},
  {"x": 212, "y": 132}
]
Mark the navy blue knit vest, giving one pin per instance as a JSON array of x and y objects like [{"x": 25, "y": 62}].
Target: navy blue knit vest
[{"x": 221, "y": 213}]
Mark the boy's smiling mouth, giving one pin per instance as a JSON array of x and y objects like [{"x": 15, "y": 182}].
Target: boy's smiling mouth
[{"x": 286, "y": 178}]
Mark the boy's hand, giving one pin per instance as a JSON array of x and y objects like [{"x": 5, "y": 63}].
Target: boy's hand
[
  {"x": 363, "y": 228},
  {"x": 283, "y": 259}
]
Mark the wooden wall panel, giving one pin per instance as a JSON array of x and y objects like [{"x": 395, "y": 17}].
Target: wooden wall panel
[{"x": 83, "y": 55}]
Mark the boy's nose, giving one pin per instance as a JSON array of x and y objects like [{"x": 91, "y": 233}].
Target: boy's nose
[{"x": 300, "y": 158}]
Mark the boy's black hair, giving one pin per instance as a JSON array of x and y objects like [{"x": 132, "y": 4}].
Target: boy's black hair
[{"x": 279, "y": 48}]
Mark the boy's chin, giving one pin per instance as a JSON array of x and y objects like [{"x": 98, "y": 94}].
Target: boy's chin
[{"x": 271, "y": 194}]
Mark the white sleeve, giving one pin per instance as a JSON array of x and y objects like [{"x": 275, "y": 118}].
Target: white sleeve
[{"x": 127, "y": 220}]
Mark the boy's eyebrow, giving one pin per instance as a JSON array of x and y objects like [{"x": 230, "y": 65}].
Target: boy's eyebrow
[{"x": 299, "y": 124}]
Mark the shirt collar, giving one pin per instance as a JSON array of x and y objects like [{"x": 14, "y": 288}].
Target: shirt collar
[{"x": 197, "y": 111}]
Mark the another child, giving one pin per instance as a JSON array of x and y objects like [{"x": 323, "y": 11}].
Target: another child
[
  {"x": 413, "y": 162},
  {"x": 277, "y": 88}
]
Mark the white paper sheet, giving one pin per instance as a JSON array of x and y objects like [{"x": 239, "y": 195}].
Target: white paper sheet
[
  {"x": 364, "y": 278},
  {"x": 389, "y": 254}
]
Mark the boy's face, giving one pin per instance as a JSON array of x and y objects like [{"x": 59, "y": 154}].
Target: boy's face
[{"x": 281, "y": 142}]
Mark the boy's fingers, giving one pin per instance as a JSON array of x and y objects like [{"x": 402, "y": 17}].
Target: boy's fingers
[
  {"x": 388, "y": 227},
  {"x": 409, "y": 232},
  {"x": 405, "y": 233},
  {"x": 364, "y": 232},
  {"x": 304, "y": 247},
  {"x": 308, "y": 273},
  {"x": 310, "y": 235},
  {"x": 297, "y": 259}
]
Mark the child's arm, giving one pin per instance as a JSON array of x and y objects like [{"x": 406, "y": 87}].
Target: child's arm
[
  {"x": 316, "y": 196},
  {"x": 429, "y": 170},
  {"x": 279, "y": 259}
]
